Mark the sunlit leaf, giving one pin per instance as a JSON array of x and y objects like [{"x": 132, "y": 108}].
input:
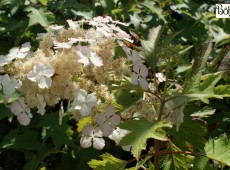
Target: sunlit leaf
[
  {"x": 177, "y": 161},
  {"x": 182, "y": 69},
  {"x": 5, "y": 2},
  {"x": 44, "y": 2},
  {"x": 151, "y": 166},
  {"x": 219, "y": 149},
  {"x": 82, "y": 123},
  {"x": 37, "y": 16},
  {"x": 203, "y": 113},
  {"x": 141, "y": 130},
  {"x": 150, "y": 45},
  {"x": 134, "y": 168},
  {"x": 223, "y": 90},
  {"x": 108, "y": 162},
  {"x": 206, "y": 89},
  {"x": 12, "y": 98},
  {"x": 219, "y": 35}
]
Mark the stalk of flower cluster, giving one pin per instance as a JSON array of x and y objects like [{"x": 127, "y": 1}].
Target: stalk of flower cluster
[{"x": 157, "y": 143}]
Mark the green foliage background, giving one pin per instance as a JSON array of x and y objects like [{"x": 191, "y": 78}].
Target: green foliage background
[{"x": 46, "y": 144}]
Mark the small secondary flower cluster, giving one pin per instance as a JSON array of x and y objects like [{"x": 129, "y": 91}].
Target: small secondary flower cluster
[{"x": 105, "y": 125}]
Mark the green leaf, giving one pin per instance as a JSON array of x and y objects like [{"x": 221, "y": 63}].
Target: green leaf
[
  {"x": 150, "y": 165},
  {"x": 173, "y": 53},
  {"x": 166, "y": 163},
  {"x": 21, "y": 139},
  {"x": 43, "y": 2},
  {"x": 12, "y": 98},
  {"x": 220, "y": 62},
  {"x": 5, "y": 2},
  {"x": 60, "y": 134},
  {"x": 153, "y": 36},
  {"x": 134, "y": 168},
  {"x": 108, "y": 6},
  {"x": 205, "y": 90},
  {"x": 136, "y": 20},
  {"x": 209, "y": 81},
  {"x": 176, "y": 161},
  {"x": 202, "y": 163},
  {"x": 141, "y": 130},
  {"x": 180, "y": 100},
  {"x": 155, "y": 9},
  {"x": 218, "y": 149},
  {"x": 223, "y": 90},
  {"x": 189, "y": 132},
  {"x": 182, "y": 69},
  {"x": 150, "y": 45},
  {"x": 34, "y": 159},
  {"x": 5, "y": 112},
  {"x": 126, "y": 99},
  {"x": 225, "y": 64},
  {"x": 83, "y": 122},
  {"x": 84, "y": 155},
  {"x": 180, "y": 161},
  {"x": 185, "y": 49},
  {"x": 220, "y": 37},
  {"x": 203, "y": 113},
  {"x": 168, "y": 38},
  {"x": 85, "y": 14},
  {"x": 37, "y": 16},
  {"x": 198, "y": 68},
  {"x": 108, "y": 162}
]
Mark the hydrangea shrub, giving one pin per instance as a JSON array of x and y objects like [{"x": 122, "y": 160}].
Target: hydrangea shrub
[{"x": 80, "y": 64}]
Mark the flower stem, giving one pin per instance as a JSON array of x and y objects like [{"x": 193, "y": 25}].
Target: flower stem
[
  {"x": 156, "y": 154},
  {"x": 157, "y": 142}
]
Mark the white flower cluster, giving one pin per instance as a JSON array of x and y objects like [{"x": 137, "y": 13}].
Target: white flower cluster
[
  {"x": 77, "y": 65},
  {"x": 71, "y": 64}
]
